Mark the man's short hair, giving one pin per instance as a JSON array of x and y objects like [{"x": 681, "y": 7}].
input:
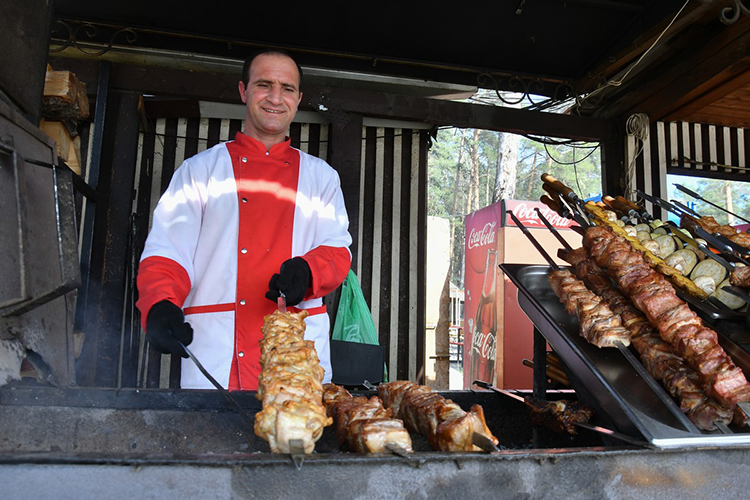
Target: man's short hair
[{"x": 278, "y": 52}]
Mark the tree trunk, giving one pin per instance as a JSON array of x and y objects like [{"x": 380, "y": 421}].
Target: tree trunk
[
  {"x": 729, "y": 203},
  {"x": 505, "y": 181},
  {"x": 475, "y": 171},
  {"x": 442, "y": 329},
  {"x": 531, "y": 176},
  {"x": 442, "y": 338}
]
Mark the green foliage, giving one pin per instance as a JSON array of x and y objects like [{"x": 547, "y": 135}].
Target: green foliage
[
  {"x": 450, "y": 167},
  {"x": 713, "y": 190}
]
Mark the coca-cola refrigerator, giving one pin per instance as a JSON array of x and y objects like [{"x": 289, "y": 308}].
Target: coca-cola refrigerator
[{"x": 497, "y": 333}]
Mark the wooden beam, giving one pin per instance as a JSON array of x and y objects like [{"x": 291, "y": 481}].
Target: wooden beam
[
  {"x": 613, "y": 64},
  {"x": 101, "y": 347},
  {"x": 458, "y": 114},
  {"x": 674, "y": 81},
  {"x": 223, "y": 88}
]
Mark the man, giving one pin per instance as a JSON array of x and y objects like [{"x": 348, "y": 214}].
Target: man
[{"x": 238, "y": 224}]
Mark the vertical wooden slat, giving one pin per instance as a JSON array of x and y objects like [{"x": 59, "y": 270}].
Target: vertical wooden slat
[
  {"x": 413, "y": 259},
  {"x": 395, "y": 250},
  {"x": 179, "y": 153},
  {"x": 168, "y": 153},
  {"x": 191, "y": 137},
  {"x": 406, "y": 285},
  {"x": 741, "y": 149},
  {"x": 421, "y": 264},
  {"x": 706, "y": 145},
  {"x": 727, "y": 148},
  {"x": 304, "y": 138},
  {"x": 377, "y": 236},
  {"x": 384, "y": 262},
  {"x": 368, "y": 217},
  {"x": 224, "y": 130},
  {"x": 712, "y": 147},
  {"x": 698, "y": 133},
  {"x": 203, "y": 125}
]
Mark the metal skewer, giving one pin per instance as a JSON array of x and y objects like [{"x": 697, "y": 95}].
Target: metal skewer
[
  {"x": 686, "y": 208},
  {"x": 218, "y": 386},
  {"x": 595, "y": 428},
  {"x": 533, "y": 240},
  {"x": 555, "y": 232},
  {"x": 699, "y": 197}
]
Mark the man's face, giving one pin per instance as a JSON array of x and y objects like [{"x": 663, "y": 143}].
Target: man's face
[{"x": 271, "y": 98}]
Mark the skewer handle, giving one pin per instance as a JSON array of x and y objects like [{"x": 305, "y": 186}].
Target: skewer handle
[
  {"x": 554, "y": 205},
  {"x": 558, "y": 186}
]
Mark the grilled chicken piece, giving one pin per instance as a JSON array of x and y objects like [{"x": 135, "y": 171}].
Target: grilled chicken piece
[
  {"x": 289, "y": 386},
  {"x": 364, "y": 425},
  {"x": 445, "y": 424},
  {"x": 378, "y": 435}
]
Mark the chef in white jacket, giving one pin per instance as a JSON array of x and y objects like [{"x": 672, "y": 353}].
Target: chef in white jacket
[{"x": 238, "y": 224}]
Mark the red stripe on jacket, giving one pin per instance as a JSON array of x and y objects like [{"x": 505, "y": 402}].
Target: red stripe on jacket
[{"x": 160, "y": 278}]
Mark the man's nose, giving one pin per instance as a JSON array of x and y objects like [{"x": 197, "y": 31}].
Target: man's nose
[{"x": 274, "y": 95}]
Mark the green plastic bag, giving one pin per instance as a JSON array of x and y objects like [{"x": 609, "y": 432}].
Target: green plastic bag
[{"x": 353, "y": 319}]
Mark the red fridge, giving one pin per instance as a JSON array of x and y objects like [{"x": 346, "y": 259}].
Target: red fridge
[{"x": 497, "y": 333}]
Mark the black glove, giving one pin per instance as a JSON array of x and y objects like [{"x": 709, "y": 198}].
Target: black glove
[
  {"x": 293, "y": 280},
  {"x": 166, "y": 326}
]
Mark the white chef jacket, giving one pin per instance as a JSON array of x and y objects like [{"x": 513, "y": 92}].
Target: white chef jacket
[{"x": 228, "y": 220}]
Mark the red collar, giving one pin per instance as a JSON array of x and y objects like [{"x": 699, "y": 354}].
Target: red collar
[{"x": 253, "y": 146}]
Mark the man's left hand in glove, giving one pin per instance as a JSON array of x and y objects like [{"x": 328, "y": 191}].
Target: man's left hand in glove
[{"x": 293, "y": 280}]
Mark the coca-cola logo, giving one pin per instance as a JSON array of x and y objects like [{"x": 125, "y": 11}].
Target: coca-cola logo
[
  {"x": 484, "y": 344},
  {"x": 485, "y": 236},
  {"x": 529, "y": 217}
]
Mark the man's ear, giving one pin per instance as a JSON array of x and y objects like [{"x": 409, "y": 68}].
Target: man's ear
[{"x": 243, "y": 91}]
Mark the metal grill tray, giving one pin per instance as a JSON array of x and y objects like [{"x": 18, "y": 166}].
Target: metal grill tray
[{"x": 613, "y": 380}]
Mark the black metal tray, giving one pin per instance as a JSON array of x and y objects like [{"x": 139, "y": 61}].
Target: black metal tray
[{"x": 613, "y": 379}]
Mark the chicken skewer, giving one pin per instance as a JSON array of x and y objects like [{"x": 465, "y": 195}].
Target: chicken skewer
[
  {"x": 293, "y": 415},
  {"x": 364, "y": 425},
  {"x": 445, "y": 424}
]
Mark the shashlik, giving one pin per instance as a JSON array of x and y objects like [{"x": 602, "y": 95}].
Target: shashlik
[
  {"x": 656, "y": 355},
  {"x": 445, "y": 424},
  {"x": 559, "y": 416},
  {"x": 676, "y": 323},
  {"x": 709, "y": 224},
  {"x": 364, "y": 425},
  {"x": 598, "y": 324},
  {"x": 289, "y": 386},
  {"x": 740, "y": 277}
]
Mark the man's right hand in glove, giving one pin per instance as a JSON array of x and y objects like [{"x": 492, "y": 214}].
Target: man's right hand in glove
[{"x": 166, "y": 327}]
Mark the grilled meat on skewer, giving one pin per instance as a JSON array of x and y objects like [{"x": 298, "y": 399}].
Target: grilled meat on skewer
[
  {"x": 558, "y": 416},
  {"x": 364, "y": 425},
  {"x": 599, "y": 325},
  {"x": 740, "y": 277},
  {"x": 681, "y": 381},
  {"x": 447, "y": 426},
  {"x": 709, "y": 224},
  {"x": 676, "y": 323},
  {"x": 289, "y": 385}
]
